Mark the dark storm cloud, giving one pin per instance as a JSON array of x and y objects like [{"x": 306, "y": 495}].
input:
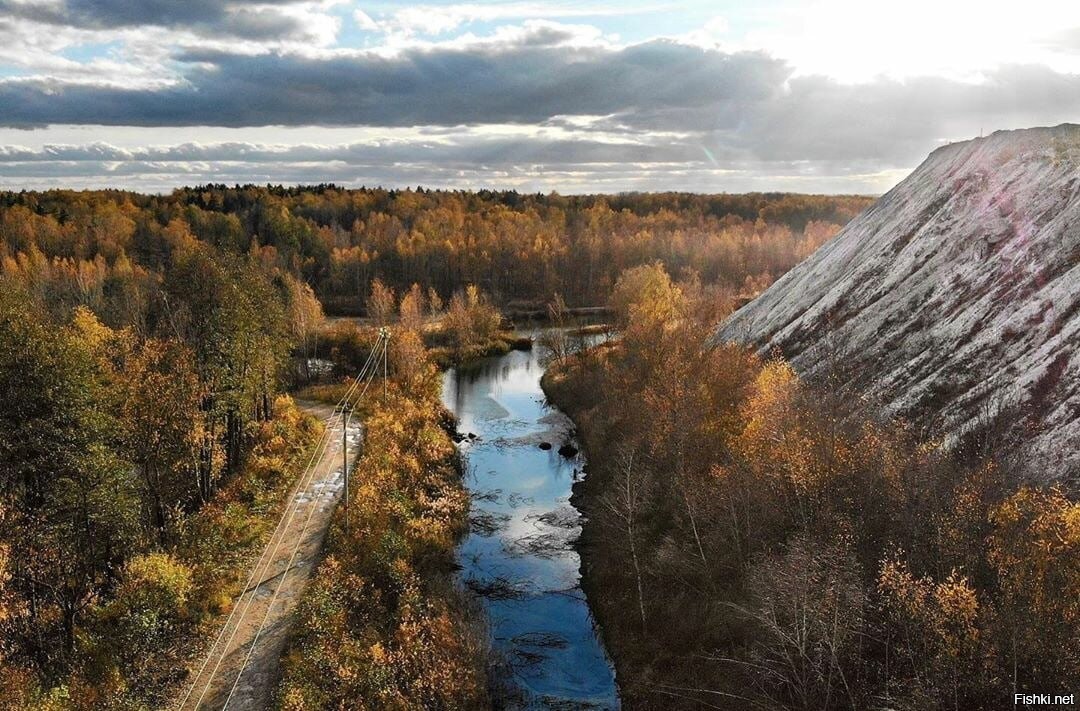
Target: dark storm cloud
[
  {"x": 249, "y": 19},
  {"x": 117, "y": 13},
  {"x": 520, "y": 84}
]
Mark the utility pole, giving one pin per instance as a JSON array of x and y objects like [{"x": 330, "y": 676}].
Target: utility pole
[
  {"x": 384, "y": 333},
  {"x": 346, "y": 411}
]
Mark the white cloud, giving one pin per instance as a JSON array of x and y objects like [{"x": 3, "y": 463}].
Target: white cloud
[
  {"x": 717, "y": 26},
  {"x": 134, "y": 58},
  {"x": 364, "y": 21},
  {"x": 531, "y": 33},
  {"x": 434, "y": 20},
  {"x": 708, "y": 35}
]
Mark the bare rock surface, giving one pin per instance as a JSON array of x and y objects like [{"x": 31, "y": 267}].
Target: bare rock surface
[{"x": 953, "y": 297}]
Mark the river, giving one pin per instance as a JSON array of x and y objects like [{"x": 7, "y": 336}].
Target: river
[{"x": 519, "y": 557}]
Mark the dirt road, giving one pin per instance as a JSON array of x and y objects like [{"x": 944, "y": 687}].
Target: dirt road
[{"x": 236, "y": 675}]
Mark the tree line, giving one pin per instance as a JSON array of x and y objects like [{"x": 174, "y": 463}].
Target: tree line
[
  {"x": 338, "y": 241},
  {"x": 757, "y": 541}
]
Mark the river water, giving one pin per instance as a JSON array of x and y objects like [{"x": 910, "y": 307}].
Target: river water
[{"x": 519, "y": 558}]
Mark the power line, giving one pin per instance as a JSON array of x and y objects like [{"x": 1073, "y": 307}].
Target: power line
[
  {"x": 321, "y": 445},
  {"x": 384, "y": 333},
  {"x": 265, "y": 566},
  {"x": 383, "y": 340},
  {"x": 287, "y": 517},
  {"x": 296, "y": 547},
  {"x": 251, "y": 578},
  {"x": 346, "y": 411}
]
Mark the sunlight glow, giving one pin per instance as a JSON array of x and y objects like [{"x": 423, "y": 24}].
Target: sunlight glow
[{"x": 856, "y": 41}]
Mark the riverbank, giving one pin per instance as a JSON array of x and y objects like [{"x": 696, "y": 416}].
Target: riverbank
[
  {"x": 450, "y": 356},
  {"x": 601, "y": 558},
  {"x": 383, "y": 624},
  {"x": 757, "y": 541},
  {"x": 347, "y": 341}
]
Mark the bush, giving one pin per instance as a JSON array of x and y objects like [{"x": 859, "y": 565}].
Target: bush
[{"x": 381, "y": 625}]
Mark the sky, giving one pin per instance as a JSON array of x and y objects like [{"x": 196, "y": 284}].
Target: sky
[{"x": 824, "y": 96}]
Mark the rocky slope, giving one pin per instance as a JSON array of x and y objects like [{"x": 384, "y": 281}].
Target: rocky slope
[{"x": 954, "y": 297}]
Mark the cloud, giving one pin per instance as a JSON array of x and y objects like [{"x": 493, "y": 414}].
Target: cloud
[
  {"x": 124, "y": 13},
  {"x": 427, "y": 19},
  {"x": 466, "y": 150},
  {"x": 1066, "y": 40},
  {"x": 364, "y": 21},
  {"x": 246, "y": 19},
  {"x": 857, "y": 41},
  {"x": 530, "y": 77},
  {"x": 685, "y": 113},
  {"x": 738, "y": 104},
  {"x": 466, "y": 160}
]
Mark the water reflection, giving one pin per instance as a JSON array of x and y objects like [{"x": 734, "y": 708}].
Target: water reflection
[{"x": 519, "y": 558}]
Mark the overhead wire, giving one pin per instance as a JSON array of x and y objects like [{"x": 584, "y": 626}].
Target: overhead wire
[
  {"x": 264, "y": 561},
  {"x": 383, "y": 341}
]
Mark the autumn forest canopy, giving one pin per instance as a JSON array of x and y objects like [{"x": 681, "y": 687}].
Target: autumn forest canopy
[
  {"x": 513, "y": 246},
  {"x": 146, "y": 343},
  {"x": 724, "y": 356},
  {"x": 751, "y": 537}
]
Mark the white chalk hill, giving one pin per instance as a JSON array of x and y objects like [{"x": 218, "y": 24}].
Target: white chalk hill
[{"x": 954, "y": 296}]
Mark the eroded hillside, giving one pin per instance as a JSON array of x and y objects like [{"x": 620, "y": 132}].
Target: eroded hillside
[{"x": 953, "y": 299}]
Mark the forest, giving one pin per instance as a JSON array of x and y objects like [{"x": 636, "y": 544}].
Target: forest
[
  {"x": 148, "y": 346},
  {"x": 756, "y": 541},
  {"x": 146, "y": 441},
  {"x": 515, "y": 247},
  {"x": 752, "y": 540}
]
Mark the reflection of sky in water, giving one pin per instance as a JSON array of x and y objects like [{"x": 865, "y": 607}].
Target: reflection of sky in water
[{"x": 541, "y": 622}]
